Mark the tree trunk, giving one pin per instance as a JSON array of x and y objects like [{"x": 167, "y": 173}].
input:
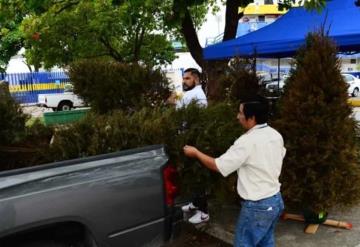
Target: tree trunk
[
  {"x": 232, "y": 17},
  {"x": 29, "y": 66},
  {"x": 211, "y": 69}
]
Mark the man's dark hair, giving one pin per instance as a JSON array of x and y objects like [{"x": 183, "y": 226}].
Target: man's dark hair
[
  {"x": 258, "y": 107},
  {"x": 193, "y": 71}
]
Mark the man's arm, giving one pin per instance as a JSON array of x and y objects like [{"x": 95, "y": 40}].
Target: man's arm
[{"x": 205, "y": 159}]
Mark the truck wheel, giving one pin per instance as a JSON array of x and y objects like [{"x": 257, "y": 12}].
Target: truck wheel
[
  {"x": 355, "y": 92},
  {"x": 64, "y": 106}
]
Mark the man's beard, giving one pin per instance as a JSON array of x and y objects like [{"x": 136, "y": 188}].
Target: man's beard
[{"x": 187, "y": 88}]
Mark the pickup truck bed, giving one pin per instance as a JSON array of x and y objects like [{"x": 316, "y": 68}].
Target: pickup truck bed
[{"x": 118, "y": 199}]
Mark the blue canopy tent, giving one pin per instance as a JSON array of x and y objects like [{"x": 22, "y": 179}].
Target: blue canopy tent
[{"x": 282, "y": 38}]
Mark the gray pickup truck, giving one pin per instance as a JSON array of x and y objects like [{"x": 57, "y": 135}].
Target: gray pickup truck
[{"x": 113, "y": 200}]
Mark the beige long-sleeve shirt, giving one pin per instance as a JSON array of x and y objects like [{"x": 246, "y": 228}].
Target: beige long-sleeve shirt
[{"x": 257, "y": 156}]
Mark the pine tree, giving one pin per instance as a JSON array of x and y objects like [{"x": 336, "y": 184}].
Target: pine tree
[
  {"x": 12, "y": 119},
  {"x": 321, "y": 167}
]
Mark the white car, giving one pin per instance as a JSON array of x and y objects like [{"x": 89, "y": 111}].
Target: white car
[
  {"x": 354, "y": 84},
  {"x": 265, "y": 77},
  {"x": 275, "y": 86},
  {"x": 61, "y": 101}
]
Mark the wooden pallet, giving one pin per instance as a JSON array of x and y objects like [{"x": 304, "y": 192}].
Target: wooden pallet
[{"x": 312, "y": 228}]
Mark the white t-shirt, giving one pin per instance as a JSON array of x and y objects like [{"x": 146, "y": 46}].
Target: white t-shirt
[
  {"x": 257, "y": 156},
  {"x": 196, "y": 94}
]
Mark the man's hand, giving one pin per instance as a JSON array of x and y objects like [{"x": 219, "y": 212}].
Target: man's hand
[
  {"x": 190, "y": 151},
  {"x": 172, "y": 99},
  {"x": 205, "y": 159}
]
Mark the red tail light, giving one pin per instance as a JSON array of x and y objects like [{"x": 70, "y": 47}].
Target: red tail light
[{"x": 169, "y": 174}]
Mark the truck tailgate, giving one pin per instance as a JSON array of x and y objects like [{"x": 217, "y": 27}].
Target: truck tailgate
[{"x": 117, "y": 196}]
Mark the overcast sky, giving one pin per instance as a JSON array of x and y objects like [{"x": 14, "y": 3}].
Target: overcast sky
[{"x": 213, "y": 26}]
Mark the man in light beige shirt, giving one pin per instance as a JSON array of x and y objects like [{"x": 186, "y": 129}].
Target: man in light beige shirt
[{"x": 257, "y": 157}]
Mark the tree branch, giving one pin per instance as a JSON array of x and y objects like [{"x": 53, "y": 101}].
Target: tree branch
[
  {"x": 112, "y": 52},
  {"x": 67, "y": 6},
  {"x": 95, "y": 56},
  {"x": 136, "y": 42},
  {"x": 139, "y": 44}
]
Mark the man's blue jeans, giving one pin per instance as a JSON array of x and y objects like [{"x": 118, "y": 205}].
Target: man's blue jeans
[{"x": 256, "y": 224}]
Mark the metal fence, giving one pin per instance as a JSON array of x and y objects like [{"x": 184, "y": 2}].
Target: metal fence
[{"x": 25, "y": 87}]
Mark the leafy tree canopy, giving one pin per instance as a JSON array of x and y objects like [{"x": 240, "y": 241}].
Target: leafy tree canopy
[
  {"x": 130, "y": 32},
  {"x": 58, "y": 32}
]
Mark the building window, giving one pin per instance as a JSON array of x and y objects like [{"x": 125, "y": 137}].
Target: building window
[
  {"x": 353, "y": 61},
  {"x": 261, "y": 18},
  {"x": 269, "y": 2}
]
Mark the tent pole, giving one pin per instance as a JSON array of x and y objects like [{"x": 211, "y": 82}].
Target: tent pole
[
  {"x": 279, "y": 76},
  {"x": 255, "y": 66}
]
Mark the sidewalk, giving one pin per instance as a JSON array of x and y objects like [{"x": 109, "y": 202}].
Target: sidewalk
[{"x": 291, "y": 233}]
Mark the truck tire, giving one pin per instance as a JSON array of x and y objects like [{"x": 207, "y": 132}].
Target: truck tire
[
  {"x": 64, "y": 106},
  {"x": 355, "y": 93}
]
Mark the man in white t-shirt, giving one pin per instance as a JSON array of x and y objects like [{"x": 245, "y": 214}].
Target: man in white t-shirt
[
  {"x": 257, "y": 158},
  {"x": 193, "y": 91}
]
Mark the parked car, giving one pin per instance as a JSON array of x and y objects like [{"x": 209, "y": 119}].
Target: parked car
[
  {"x": 119, "y": 199},
  {"x": 354, "y": 84},
  {"x": 275, "y": 86},
  {"x": 264, "y": 76},
  {"x": 61, "y": 101}
]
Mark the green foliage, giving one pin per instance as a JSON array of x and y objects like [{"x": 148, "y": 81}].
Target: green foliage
[
  {"x": 321, "y": 169},
  {"x": 11, "y": 43},
  {"x": 125, "y": 32},
  {"x": 30, "y": 150},
  {"x": 11, "y": 39},
  {"x": 213, "y": 130},
  {"x": 12, "y": 124},
  {"x": 197, "y": 8},
  {"x": 108, "y": 85},
  {"x": 20, "y": 146},
  {"x": 60, "y": 32}
]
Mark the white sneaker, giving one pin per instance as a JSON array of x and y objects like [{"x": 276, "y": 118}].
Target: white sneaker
[
  {"x": 188, "y": 208},
  {"x": 199, "y": 217}
]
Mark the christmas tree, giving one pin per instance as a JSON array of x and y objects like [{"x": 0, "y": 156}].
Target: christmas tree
[{"x": 321, "y": 167}]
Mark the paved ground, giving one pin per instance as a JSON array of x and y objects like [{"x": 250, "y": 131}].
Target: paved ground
[
  {"x": 290, "y": 233},
  {"x": 356, "y": 111},
  {"x": 36, "y": 111},
  {"x": 190, "y": 236}
]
